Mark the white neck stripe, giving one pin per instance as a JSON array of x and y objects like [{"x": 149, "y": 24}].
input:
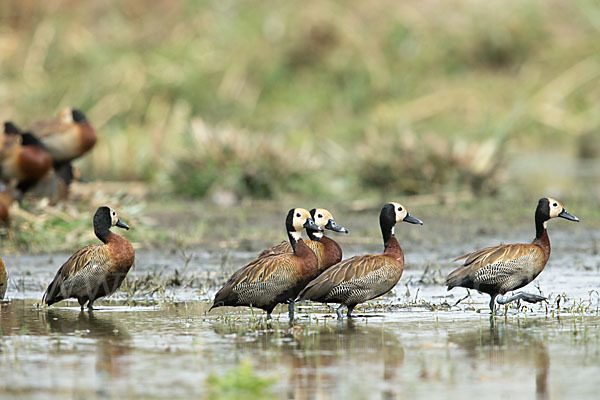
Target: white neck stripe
[{"x": 296, "y": 235}]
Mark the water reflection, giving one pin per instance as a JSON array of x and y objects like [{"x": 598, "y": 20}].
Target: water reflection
[
  {"x": 318, "y": 355},
  {"x": 111, "y": 340},
  {"x": 502, "y": 343}
]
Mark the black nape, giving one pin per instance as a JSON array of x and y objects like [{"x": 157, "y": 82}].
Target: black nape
[
  {"x": 102, "y": 223},
  {"x": 542, "y": 214},
  {"x": 289, "y": 227},
  {"x": 28, "y": 139},
  {"x": 387, "y": 220},
  {"x": 10, "y": 128},
  {"x": 78, "y": 116}
]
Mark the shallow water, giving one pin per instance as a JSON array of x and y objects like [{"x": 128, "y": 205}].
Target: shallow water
[
  {"x": 170, "y": 350},
  {"x": 413, "y": 343}
]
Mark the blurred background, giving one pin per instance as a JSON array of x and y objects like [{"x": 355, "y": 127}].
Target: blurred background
[{"x": 236, "y": 99}]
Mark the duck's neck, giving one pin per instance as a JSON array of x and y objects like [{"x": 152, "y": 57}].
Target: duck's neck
[
  {"x": 103, "y": 233},
  {"x": 294, "y": 238},
  {"x": 543, "y": 241},
  {"x": 312, "y": 235},
  {"x": 332, "y": 252},
  {"x": 392, "y": 248},
  {"x": 540, "y": 226},
  {"x": 541, "y": 234}
]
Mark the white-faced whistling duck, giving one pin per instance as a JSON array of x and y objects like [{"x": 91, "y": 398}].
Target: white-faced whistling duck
[
  {"x": 23, "y": 158},
  {"x": 362, "y": 278},
  {"x": 3, "y": 279},
  {"x": 328, "y": 252},
  {"x": 67, "y": 137},
  {"x": 276, "y": 278},
  {"x": 94, "y": 271},
  {"x": 499, "y": 269}
]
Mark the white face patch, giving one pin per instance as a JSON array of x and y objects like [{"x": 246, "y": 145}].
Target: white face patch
[
  {"x": 296, "y": 235},
  {"x": 399, "y": 211},
  {"x": 300, "y": 217},
  {"x": 322, "y": 217},
  {"x": 545, "y": 224},
  {"x": 114, "y": 218},
  {"x": 393, "y": 230},
  {"x": 556, "y": 207}
]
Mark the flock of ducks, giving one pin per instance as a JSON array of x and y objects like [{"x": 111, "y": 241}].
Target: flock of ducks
[
  {"x": 313, "y": 269},
  {"x": 293, "y": 270},
  {"x": 46, "y": 149}
]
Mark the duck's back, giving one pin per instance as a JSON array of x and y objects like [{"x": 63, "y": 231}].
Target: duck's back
[
  {"x": 262, "y": 282},
  {"x": 356, "y": 279},
  {"x": 327, "y": 255},
  {"x": 498, "y": 269}
]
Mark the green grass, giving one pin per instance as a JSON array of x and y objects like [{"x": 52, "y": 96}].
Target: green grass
[{"x": 241, "y": 382}]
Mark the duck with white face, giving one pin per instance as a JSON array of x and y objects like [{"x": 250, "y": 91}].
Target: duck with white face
[
  {"x": 97, "y": 270},
  {"x": 365, "y": 277},
  {"x": 275, "y": 278},
  {"x": 499, "y": 269},
  {"x": 327, "y": 250}
]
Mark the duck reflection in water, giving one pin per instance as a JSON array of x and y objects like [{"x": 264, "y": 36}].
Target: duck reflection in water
[
  {"x": 317, "y": 357},
  {"x": 503, "y": 343},
  {"x": 112, "y": 340}
]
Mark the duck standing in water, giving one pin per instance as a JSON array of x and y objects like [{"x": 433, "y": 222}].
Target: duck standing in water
[
  {"x": 365, "y": 277},
  {"x": 327, "y": 250},
  {"x": 94, "y": 271},
  {"x": 499, "y": 269},
  {"x": 276, "y": 278}
]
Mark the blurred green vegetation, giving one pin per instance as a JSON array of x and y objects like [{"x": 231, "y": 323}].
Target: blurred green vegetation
[
  {"x": 240, "y": 383},
  {"x": 401, "y": 97}
]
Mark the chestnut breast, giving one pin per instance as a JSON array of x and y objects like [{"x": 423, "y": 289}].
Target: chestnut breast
[
  {"x": 33, "y": 163},
  {"x": 121, "y": 252},
  {"x": 87, "y": 138}
]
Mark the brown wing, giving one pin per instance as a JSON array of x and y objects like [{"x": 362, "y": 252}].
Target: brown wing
[
  {"x": 495, "y": 264},
  {"x": 47, "y": 128},
  {"x": 283, "y": 247},
  {"x": 261, "y": 269},
  {"x": 353, "y": 268},
  {"x": 90, "y": 260},
  {"x": 260, "y": 281}
]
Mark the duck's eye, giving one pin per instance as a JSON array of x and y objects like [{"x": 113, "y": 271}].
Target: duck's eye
[
  {"x": 554, "y": 205},
  {"x": 400, "y": 209},
  {"x": 320, "y": 216},
  {"x": 298, "y": 215},
  {"x": 114, "y": 213}
]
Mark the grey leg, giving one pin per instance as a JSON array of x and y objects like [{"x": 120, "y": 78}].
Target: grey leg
[
  {"x": 350, "y": 308},
  {"x": 269, "y": 315},
  {"x": 493, "y": 302},
  {"x": 90, "y": 305},
  {"x": 339, "y": 311},
  {"x": 291, "y": 310},
  {"x": 528, "y": 297}
]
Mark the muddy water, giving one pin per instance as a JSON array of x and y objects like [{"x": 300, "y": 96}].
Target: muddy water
[
  {"x": 169, "y": 350},
  {"x": 159, "y": 341}
]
